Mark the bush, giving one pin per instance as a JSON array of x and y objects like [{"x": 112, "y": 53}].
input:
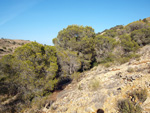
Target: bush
[
  {"x": 123, "y": 60},
  {"x": 103, "y": 48},
  {"x": 31, "y": 71},
  {"x": 135, "y": 26},
  {"x": 4, "y": 47},
  {"x": 112, "y": 32},
  {"x": 94, "y": 84},
  {"x": 128, "y": 44},
  {"x": 141, "y": 36},
  {"x": 130, "y": 70},
  {"x": 75, "y": 45},
  {"x": 108, "y": 64},
  {"x": 126, "y": 106},
  {"x": 132, "y": 103},
  {"x": 76, "y": 76},
  {"x": 140, "y": 94}
]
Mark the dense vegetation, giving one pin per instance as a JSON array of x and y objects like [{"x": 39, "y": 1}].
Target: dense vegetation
[
  {"x": 132, "y": 103},
  {"x": 33, "y": 71},
  {"x": 30, "y": 73}
]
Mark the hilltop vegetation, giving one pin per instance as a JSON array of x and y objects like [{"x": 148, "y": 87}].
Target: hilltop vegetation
[{"x": 34, "y": 71}]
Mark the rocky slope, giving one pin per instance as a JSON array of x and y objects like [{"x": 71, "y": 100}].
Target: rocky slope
[
  {"x": 8, "y": 46},
  {"x": 101, "y": 88}
]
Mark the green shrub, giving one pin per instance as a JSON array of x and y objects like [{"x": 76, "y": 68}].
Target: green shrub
[
  {"x": 76, "y": 76},
  {"x": 126, "y": 57},
  {"x": 126, "y": 106},
  {"x": 108, "y": 64},
  {"x": 39, "y": 102},
  {"x": 132, "y": 103},
  {"x": 136, "y": 25},
  {"x": 123, "y": 60},
  {"x": 103, "y": 48},
  {"x": 141, "y": 36},
  {"x": 112, "y": 32},
  {"x": 31, "y": 71},
  {"x": 109, "y": 58},
  {"x": 128, "y": 44},
  {"x": 94, "y": 64}
]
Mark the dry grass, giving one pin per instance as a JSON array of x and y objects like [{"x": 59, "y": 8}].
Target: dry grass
[{"x": 94, "y": 84}]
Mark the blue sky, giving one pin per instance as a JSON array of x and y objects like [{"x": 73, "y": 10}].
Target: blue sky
[{"x": 41, "y": 20}]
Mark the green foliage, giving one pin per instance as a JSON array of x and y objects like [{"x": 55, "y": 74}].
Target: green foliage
[
  {"x": 75, "y": 76},
  {"x": 107, "y": 64},
  {"x": 136, "y": 26},
  {"x": 39, "y": 102},
  {"x": 31, "y": 71},
  {"x": 126, "y": 57},
  {"x": 139, "y": 94},
  {"x": 75, "y": 48},
  {"x": 34, "y": 70},
  {"x": 131, "y": 105},
  {"x": 94, "y": 64},
  {"x": 126, "y": 106},
  {"x": 141, "y": 36},
  {"x": 73, "y": 33},
  {"x": 128, "y": 44},
  {"x": 69, "y": 61},
  {"x": 103, "y": 48},
  {"x": 123, "y": 60},
  {"x": 113, "y": 31}
]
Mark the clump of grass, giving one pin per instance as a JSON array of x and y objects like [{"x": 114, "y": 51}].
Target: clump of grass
[
  {"x": 10, "y": 49},
  {"x": 140, "y": 94},
  {"x": 126, "y": 106},
  {"x": 80, "y": 88},
  {"x": 108, "y": 64},
  {"x": 75, "y": 76},
  {"x": 130, "y": 70},
  {"x": 4, "y": 47},
  {"x": 132, "y": 103},
  {"x": 123, "y": 60},
  {"x": 94, "y": 84}
]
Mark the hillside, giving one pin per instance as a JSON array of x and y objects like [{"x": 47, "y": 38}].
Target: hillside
[
  {"x": 102, "y": 88},
  {"x": 7, "y": 46},
  {"x": 105, "y": 72}
]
